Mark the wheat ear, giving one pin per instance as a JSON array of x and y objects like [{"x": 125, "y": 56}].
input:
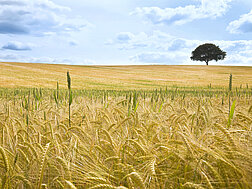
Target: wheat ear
[
  {"x": 42, "y": 166},
  {"x": 5, "y": 159}
]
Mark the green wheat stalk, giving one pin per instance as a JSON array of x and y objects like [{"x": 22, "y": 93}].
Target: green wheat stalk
[
  {"x": 231, "y": 114},
  {"x": 230, "y": 89},
  {"x": 70, "y": 97}
]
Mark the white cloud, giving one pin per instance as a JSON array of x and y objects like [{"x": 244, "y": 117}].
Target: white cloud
[
  {"x": 49, "y": 5},
  {"x": 160, "y": 47},
  {"x": 37, "y": 17},
  {"x": 127, "y": 40},
  {"x": 181, "y": 15},
  {"x": 160, "y": 57},
  {"x": 17, "y": 46},
  {"x": 238, "y": 52},
  {"x": 73, "y": 42},
  {"x": 11, "y": 57},
  {"x": 84, "y": 62},
  {"x": 240, "y": 57},
  {"x": 123, "y": 37},
  {"x": 157, "y": 40},
  {"x": 163, "y": 48},
  {"x": 242, "y": 25}
]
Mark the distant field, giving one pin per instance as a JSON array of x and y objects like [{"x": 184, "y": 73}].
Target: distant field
[{"x": 121, "y": 77}]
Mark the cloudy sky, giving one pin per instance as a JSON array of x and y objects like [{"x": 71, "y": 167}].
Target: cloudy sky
[{"x": 117, "y": 32}]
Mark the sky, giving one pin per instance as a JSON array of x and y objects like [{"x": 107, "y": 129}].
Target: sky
[{"x": 124, "y": 32}]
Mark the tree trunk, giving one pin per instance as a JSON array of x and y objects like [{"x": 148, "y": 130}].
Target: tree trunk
[{"x": 207, "y": 62}]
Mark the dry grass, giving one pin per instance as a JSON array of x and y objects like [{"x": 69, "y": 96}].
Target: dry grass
[{"x": 121, "y": 77}]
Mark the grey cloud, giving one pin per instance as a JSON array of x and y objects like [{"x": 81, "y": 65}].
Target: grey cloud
[
  {"x": 9, "y": 28},
  {"x": 246, "y": 27},
  {"x": 11, "y": 2},
  {"x": 16, "y": 46},
  {"x": 9, "y": 57},
  {"x": 37, "y": 18},
  {"x": 12, "y": 15}
]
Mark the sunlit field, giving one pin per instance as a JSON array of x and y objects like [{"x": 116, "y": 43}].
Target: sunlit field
[
  {"x": 122, "y": 77},
  {"x": 125, "y": 126}
]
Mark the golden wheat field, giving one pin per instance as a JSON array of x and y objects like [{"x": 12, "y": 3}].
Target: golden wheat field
[
  {"x": 121, "y": 77},
  {"x": 71, "y": 134}
]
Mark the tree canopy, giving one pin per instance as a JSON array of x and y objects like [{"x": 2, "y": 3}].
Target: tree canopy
[{"x": 208, "y": 52}]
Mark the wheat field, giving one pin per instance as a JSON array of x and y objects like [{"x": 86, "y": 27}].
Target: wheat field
[
  {"x": 31, "y": 75},
  {"x": 167, "y": 137}
]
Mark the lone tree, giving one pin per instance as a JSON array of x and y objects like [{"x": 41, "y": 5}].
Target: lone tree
[{"x": 208, "y": 52}]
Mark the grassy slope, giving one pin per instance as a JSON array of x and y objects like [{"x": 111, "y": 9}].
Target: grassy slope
[{"x": 121, "y": 77}]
